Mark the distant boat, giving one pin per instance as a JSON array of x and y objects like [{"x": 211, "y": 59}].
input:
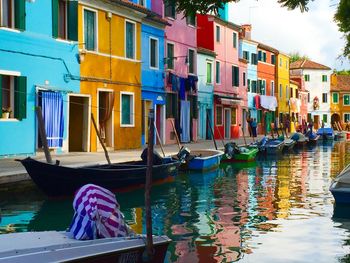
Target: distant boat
[
  {"x": 273, "y": 146},
  {"x": 340, "y": 187},
  {"x": 326, "y": 133},
  {"x": 340, "y": 136},
  {"x": 313, "y": 138},
  {"x": 300, "y": 138},
  {"x": 200, "y": 160},
  {"x": 233, "y": 153},
  {"x": 57, "y": 180}
]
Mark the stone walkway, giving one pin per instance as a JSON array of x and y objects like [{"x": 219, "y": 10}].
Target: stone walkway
[{"x": 12, "y": 171}]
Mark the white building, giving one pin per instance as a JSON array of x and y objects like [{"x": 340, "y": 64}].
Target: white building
[{"x": 317, "y": 79}]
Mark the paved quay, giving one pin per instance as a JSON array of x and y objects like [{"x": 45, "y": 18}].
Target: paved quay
[{"x": 12, "y": 171}]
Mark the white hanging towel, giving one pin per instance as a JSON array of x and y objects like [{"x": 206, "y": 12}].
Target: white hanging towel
[{"x": 268, "y": 102}]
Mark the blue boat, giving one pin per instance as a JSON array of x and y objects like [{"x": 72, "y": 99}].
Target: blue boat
[
  {"x": 272, "y": 146},
  {"x": 326, "y": 133},
  {"x": 202, "y": 160},
  {"x": 340, "y": 187}
]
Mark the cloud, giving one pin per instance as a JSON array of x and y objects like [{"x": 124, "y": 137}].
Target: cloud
[{"x": 313, "y": 33}]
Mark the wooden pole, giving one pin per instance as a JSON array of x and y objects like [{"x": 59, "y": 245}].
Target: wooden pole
[
  {"x": 222, "y": 139},
  {"x": 245, "y": 142},
  {"x": 43, "y": 136},
  {"x": 212, "y": 133},
  {"x": 100, "y": 139},
  {"x": 176, "y": 136},
  {"x": 158, "y": 137},
  {"x": 148, "y": 185}
]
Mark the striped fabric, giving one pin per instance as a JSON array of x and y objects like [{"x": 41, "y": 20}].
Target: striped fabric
[{"x": 97, "y": 214}]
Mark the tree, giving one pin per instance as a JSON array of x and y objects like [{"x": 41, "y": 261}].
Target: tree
[
  {"x": 294, "y": 56},
  {"x": 190, "y": 7}
]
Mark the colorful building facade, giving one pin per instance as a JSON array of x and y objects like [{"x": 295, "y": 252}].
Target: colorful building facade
[
  {"x": 222, "y": 37},
  {"x": 283, "y": 87},
  {"x": 294, "y": 105},
  {"x": 340, "y": 99},
  {"x": 205, "y": 69},
  {"x": 35, "y": 70}
]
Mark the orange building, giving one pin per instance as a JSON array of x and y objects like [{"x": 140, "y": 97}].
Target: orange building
[{"x": 340, "y": 102}]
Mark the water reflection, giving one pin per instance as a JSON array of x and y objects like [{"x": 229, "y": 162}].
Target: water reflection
[{"x": 277, "y": 209}]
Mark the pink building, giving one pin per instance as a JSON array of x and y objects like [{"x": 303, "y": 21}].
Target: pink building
[
  {"x": 180, "y": 73},
  {"x": 222, "y": 37}
]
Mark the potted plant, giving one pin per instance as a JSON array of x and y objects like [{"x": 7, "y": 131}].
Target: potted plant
[{"x": 6, "y": 113}]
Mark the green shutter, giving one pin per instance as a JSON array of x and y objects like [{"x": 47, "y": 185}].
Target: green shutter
[
  {"x": 1, "y": 92},
  {"x": 20, "y": 98},
  {"x": 20, "y": 14},
  {"x": 168, "y": 105},
  {"x": 236, "y": 76},
  {"x": 73, "y": 20},
  {"x": 55, "y": 18},
  {"x": 126, "y": 114},
  {"x": 195, "y": 107},
  {"x": 175, "y": 105}
]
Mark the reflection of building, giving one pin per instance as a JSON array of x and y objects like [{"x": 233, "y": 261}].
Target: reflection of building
[{"x": 340, "y": 99}]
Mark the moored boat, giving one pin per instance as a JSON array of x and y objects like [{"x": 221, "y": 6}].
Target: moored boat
[
  {"x": 340, "y": 136},
  {"x": 288, "y": 144},
  {"x": 273, "y": 146},
  {"x": 202, "y": 160},
  {"x": 340, "y": 187},
  {"x": 299, "y": 138},
  {"x": 326, "y": 133},
  {"x": 57, "y": 180},
  {"x": 313, "y": 138},
  {"x": 233, "y": 153}
]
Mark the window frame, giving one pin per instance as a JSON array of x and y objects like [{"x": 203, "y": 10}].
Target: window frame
[
  {"x": 135, "y": 39},
  {"x": 156, "y": 54},
  {"x": 216, "y": 115},
  {"x": 324, "y": 78},
  {"x": 173, "y": 14},
  {"x": 65, "y": 22},
  {"x": 189, "y": 20},
  {"x": 307, "y": 77},
  {"x": 132, "y": 109},
  {"x": 95, "y": 31},
  {"x": 171, "y": 59},
  {"x": 346, "y": 113},
  {"x": 193, "y": 61}
]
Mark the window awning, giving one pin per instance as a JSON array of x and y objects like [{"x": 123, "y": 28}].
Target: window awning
[{"x": 227, "y": 100}]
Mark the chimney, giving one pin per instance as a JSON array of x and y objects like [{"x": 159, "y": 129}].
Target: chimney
[{"x": 247, "y": 31}]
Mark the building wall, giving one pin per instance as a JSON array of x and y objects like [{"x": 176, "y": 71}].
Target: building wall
[
  {"x": 266, "y": 71},
  {"x": 20, "y": 136},
  {"x": 124, "y": 74},
  {"x": 282, "y": 64},
  {"x": 205, "y": 32}
]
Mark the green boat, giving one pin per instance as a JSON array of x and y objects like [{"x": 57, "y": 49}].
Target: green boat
[{"x": 233, "y": 153}]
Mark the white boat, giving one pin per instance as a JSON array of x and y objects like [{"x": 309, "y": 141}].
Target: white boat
[
  {"x": 340, "y": 187},
  {"x": 53, "y": 246}
]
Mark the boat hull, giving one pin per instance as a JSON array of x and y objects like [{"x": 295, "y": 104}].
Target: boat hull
[
  {"x": 242, "y": 157},
  {"x": 204, "y": 160},
  {"x": 340, "y": 194},
  {"x": 56, "y": 180}
]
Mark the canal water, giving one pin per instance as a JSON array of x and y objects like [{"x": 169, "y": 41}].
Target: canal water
[{"x": 273, "y": 210}]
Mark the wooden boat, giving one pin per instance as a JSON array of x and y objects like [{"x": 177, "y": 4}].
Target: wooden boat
[
  {"x": 340, "y": 187},
  {"x": 244, "y": 154},
  {"x": 288, "y": 144},
  {"x": 313, "y": 138},
  {"x": 326, "y": 133},
  {"x": 300, "y": 139},
  {"x": 202, "y": 160},
  {"x": 274, "y": 146},
  {"x": 53, "y": 246},
  {"x": 57, "y": 180}
]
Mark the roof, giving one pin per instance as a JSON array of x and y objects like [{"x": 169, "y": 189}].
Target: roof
[
  {"x": 294, "y": 82},
  {"x": 226, "y": 23},
  {"x": 266, "y": 47},
  {"x": 205, "y": 51},
  {"x": 342, "y": 83},
  {"x": 307, "y": 64}
]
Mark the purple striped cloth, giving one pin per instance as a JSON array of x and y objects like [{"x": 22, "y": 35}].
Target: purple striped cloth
[{"x": 97, "y": 214}]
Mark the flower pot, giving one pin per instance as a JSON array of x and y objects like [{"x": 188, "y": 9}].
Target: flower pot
[{"x": 5, "y": 115}]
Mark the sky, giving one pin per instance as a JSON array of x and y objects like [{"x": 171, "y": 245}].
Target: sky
[{"x": 312, "y": 33}]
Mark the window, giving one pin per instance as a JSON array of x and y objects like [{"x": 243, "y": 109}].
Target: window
[
  {"x": 171, "y": 105},
  {"x": 272, "y": 88},
  {"x": 209, "y": 72},
  {"x": 217, "y": 34},
  {"x": 193, "y": 99},
  {"x": 264, "y": 57},
  {"x": 286, "y": 64},
  {"x": 254, "y": 86},
  {"x": 90, "y": 34},
  {"x": 260, "y": 55},
  {"x": 142, "y": 2},
  {"x": 233, "y": 116},
  {"x": 217, "y": 71},
  {"x": 130, "y": 40},
  {"x": 335, "y": 97},
  {"x": 346, "y": 117},
  {"x": 191, "y": 61},
  {"x": 62, "y": 19},
  {"x": 307, "y": 77},
  {"x": 170, "y": 10},
  {"x": 324, "y": 98},
  {"x": 127, "y": 109},
  {"x": 280, "y": 90},
  {"x": 308, "y": 97},
  {"x": 346, "y": 100},
  {"x": 246, "y": 55},
  {"x": 170, "y": 55},
  {"x": 191, "y": 19},
  {"x": 324, "y": 78},
  {"x": 287, "y": 95},
  {"x": 218, "y": 115},
  {"x": 65, "y": 19},
  {"x": 244, "y": 78},
  {"x": 249, "y": 88},
  {"x": 291, "y": 92},
  {"x": 13, "y": 95},
  {"x": 254, "y": 59},
  {"x": 235, "y": 76},
  {"x": 309, "y": 117},
  {"x": 262, "y": 86},
  {"x": 12, "y": 14},
  {"x": 273, "y": 59},
  {"x": 325, "y": 118},
  {"x": 234, "y": 39},
  {"x": 154, "y": 53}
]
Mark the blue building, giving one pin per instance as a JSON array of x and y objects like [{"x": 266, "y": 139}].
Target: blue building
[
  {"x": 38, "y": 65},
  {"x": 205, "y": 69},
  {"x": 248, "y": 51},
  {"x": 152, "y": 72}
]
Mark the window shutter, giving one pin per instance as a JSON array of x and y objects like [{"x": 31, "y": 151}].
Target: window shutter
[
  {"x": 20, "y": 14},
  {"x": 175, "y": 106},
  {"x": 259, "y": 55},
  {"x": 237, "y": 76},
  {"x": 55, "y": 18},
  {"x": 72, "y": 20},
  {"x": 20, "y": 98},
  {"x": 0, "y": 92},
  {"x": 168, "y": 105}
]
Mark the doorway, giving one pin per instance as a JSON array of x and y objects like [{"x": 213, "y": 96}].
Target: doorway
[
  {"x": 208, "y": 127},
  {"x": 160, "y": 122},
  {"x": 316, "y": 122},
  {"x": 146, "y": 106},
  {"x": 227, "y": 123},
  {"x": 105, "y": 117},
  {"x": 79, "y": 123}
]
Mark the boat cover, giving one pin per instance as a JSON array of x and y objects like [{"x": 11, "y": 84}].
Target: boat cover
[
  {"x": 325, "y": 131},
  {"x": 344, "y": 176},
  {"x": 97, "y": 214}
]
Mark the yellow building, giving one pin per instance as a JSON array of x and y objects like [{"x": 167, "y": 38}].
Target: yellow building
[
  {"x": 110, "y": 52},
  {"x": 282, "y": 86},
  {"x": 294, "y": 104}
]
